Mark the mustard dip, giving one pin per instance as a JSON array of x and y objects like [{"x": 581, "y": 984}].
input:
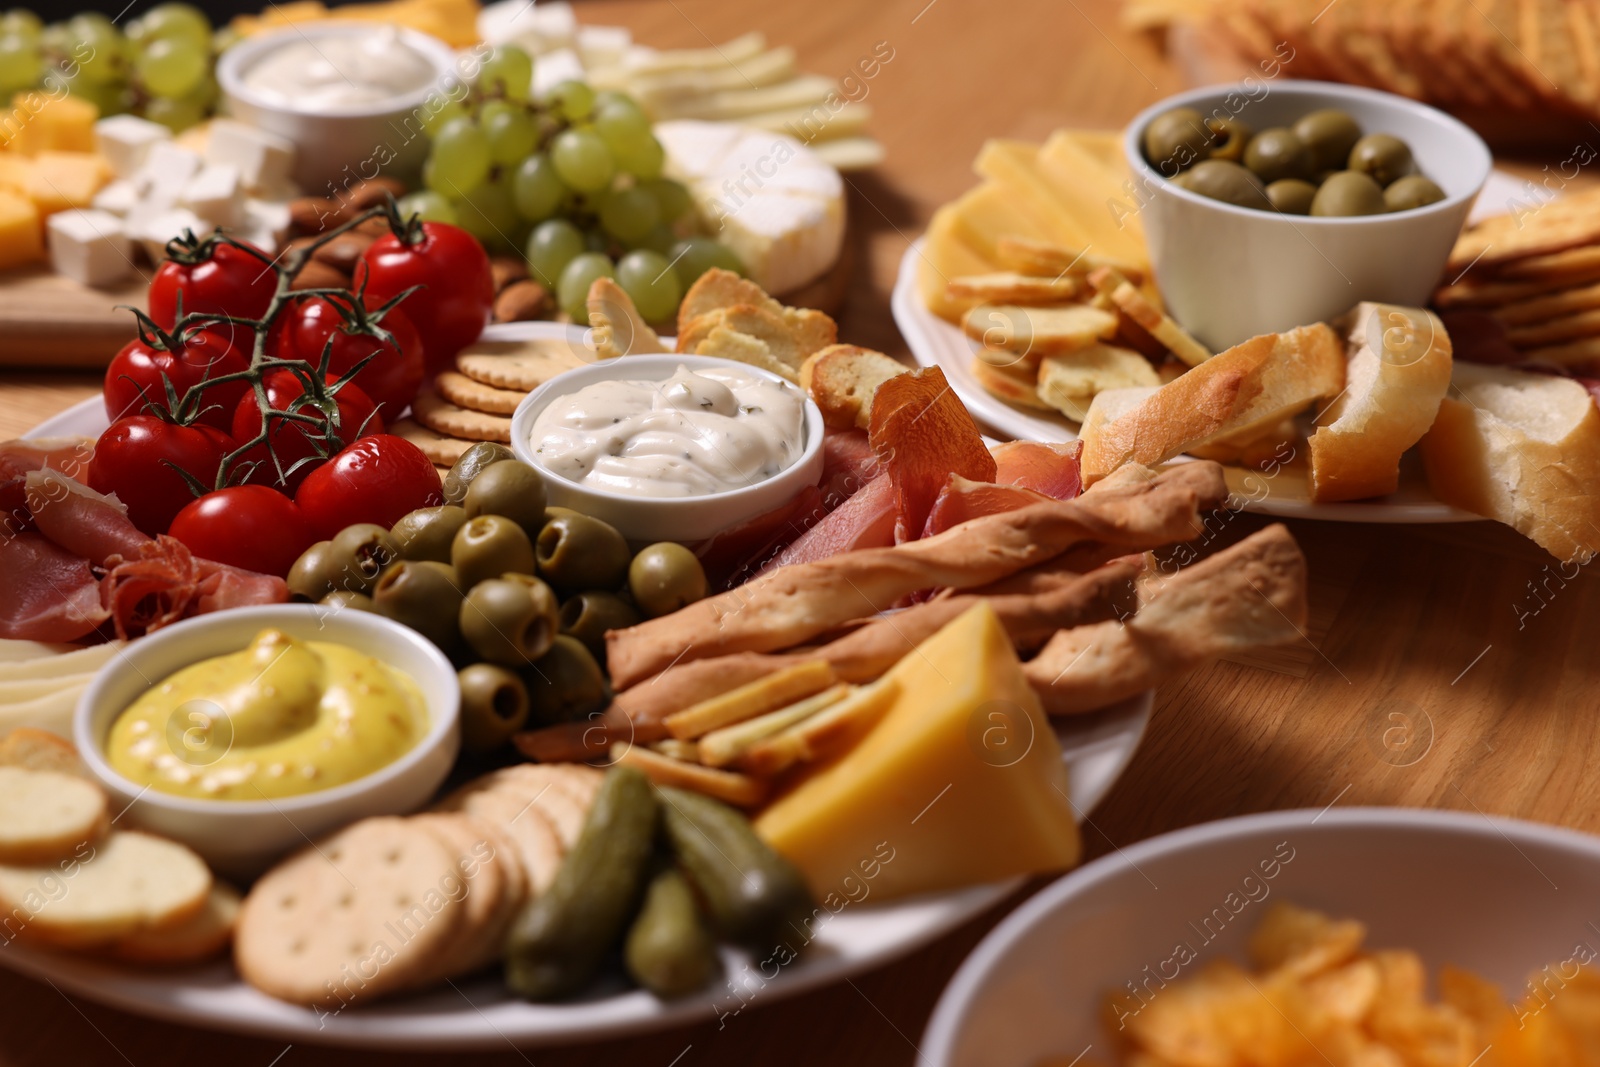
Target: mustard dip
[{"x": 279, "y": 719}]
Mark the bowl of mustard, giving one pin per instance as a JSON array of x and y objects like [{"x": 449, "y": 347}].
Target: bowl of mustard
[{"x": 248, "y": 733}]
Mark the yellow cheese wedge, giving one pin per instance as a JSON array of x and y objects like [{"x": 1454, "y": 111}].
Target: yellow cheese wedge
[
  {"x": 1093, "y": 194},
  {"x": 1103, "y": 145},
  {"x": 39, "y": 123},
  {"x": 946, "y": 255},
  {"x": 1015, "y": 165},
  {"x": 988, "y": 212},
  {"x": 21, "y": 235},
  {"x": 63, "y": 180},
  {"x": 16, "y": 171},
  {"x": 961, "y": 782}
]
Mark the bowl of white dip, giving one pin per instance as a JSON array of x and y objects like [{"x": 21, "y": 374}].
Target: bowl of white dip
[
  {"x": 668, "y": 447},
  {"x": 351, "y": 96}
]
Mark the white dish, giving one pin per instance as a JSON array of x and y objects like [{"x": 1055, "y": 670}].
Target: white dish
[
  {"x": 935, "y": 342},
  {"x": 1470, "y": 890}
]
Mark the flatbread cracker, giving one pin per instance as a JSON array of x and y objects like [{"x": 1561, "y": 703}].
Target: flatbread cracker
[
  {"x": 475, "y": 396},
  {"x": 1555, "y": 331},
  {"x": 441, "y": 449},
  {"x": 524, "y": 365},
  {"x": 441, "y": 416},
  {"x": 1573, "y": 353},
  {"x": 1549, "y": 306},
  {"x": 1009, "y": 287},
  {"x": 1013, "y": 388}
]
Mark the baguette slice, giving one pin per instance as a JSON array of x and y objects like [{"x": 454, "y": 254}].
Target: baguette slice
[
  {"x": 1397, "y": 371},
  {"x": 1069, "y": 382},
  {"x": 1248, "y": 388},
  {"x": 843, "y": 379},
  {"x": 1524, "y": 449}
]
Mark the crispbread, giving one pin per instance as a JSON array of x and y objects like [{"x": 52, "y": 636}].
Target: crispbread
[
  {"x": 1009, "y": 287},
  {"x": 1567, "y": 267},
  {"x": 364, "y": 912},
  {"x": 473, "y": 395},
  {"x": 762, "y": 323},
  {"x": 1558, "y": 225},
  {"x": 718, "y": 289},
  {"x": 1573, "y": 353},
  {"x": 1036, "y": 332},
  {"x": 1008, "y": 384},
  {"x": 441, "y": 449},
  {"x": 1556, "y": 331},
  {"x": 842, "y": 380},
  {"x": 1157, "y": 323},
  {"x": 1069, "y": 382},
  {"x": 619, "y": 329},
  {"x": 524, "y": 365},
  {"x": 204, "y": 934},
  {"x": 1042, "y": 259},
  {"x": 46, "y": 815},
  {"x": 443, "y": 417}
]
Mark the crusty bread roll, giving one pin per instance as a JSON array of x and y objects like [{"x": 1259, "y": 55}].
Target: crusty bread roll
[
  {"x": 1397, "y": 371},
  {"x": 1237, "y": 394},
  {"x": 1522, "y": 448}
]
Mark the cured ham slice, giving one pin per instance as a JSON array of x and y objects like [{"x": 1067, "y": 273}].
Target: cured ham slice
[
  {"x": 70, "y": 455},
  {"x": 1048, "y": 469},
  {"x": 50, "y": 594},
  {"x": 866, "y": 520},
  {"x": 961, "y": 500},
  {"x": 80, "y": 520},
  {"x": 163, "y": 582},
  {"x": 922, "y": 434}
]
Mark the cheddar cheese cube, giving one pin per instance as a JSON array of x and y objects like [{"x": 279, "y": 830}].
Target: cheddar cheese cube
[
  {"x": 61, "y": 181},
  {"x": 21, "y": 236},
  {"x": 40, "y": 123}
]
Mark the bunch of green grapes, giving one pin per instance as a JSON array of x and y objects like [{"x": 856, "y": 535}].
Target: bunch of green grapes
[
  {"x": 159, "y": 68},
  {"x": 572, "y": 179}
]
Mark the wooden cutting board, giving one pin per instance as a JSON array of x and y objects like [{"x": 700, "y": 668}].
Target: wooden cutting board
[{"x": 47, "y": 320}]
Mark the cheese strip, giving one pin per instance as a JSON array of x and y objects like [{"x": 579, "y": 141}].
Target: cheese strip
[{"x": 748, "y": 701}]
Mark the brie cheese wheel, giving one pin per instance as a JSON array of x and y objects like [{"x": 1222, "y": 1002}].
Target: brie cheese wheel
[{"x": 765, "y": 195}]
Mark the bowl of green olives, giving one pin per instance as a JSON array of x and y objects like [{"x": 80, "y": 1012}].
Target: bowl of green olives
[
  {"x": 609, "y": 393},
  {"x": 1289, "y": 205}
]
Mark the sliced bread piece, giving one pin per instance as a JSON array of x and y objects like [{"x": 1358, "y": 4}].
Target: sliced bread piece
[
  {"x": 1070, "y": 381},
  {"x": 1522, "y": 448},
  {"x": 1397, "y": 369},
  {"x": 1034, "y": 332},
  {"x": 842, "y": 380}
]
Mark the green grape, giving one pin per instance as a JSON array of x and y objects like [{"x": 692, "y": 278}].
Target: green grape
[
  {"x": 512, "y": 133},
  {"x": 205, "y": 92},
  {"x": 537, "y": 189},
  {"x": 671, "y": 197},
  {"x": 661, "y": 239},
  {"x": 648, "y": 280},
  {"x": 642, "y": 159},
  {"x": 176, "y": 115},
  {"x": 96, "y": 48},
  {"x": 582, "y": 160},
  {"x": 612, "y": 96},
  {"x": 20, "y": 63},
  {"x": 597, "y": 241},
  {"x": 576, "y": 278},
  {"x": 172, "y": 67},
  {"x": 629, "y": 214},
  {"x": 693, "y": 256},
  {"x": 551, "y": 247},
  {"x": 573, "y": 99},
  {"x": 437, "y": 111},
  {"x": 460, "y": 159},
  {"x": 489, "y": 214},
  {"x": 429, "y": 207},
  {"x": 621, "y": 126},
  {"x": 173, "y": 22},
  {"x": 23, "y": 23},
  {"x": 508, "y": 72}
]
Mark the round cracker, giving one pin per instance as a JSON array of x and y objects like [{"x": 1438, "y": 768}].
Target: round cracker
[
  {"x": 529, "y": 831},
  {"x": 199, "y": 937},
  {"x": 475, "y": 396},
  {"x": 518, "y": 890},
  {"x": 523, "y": 365},
  {"x": 441, "y": 416},
  {"x": 547, "y": 789},
  {"x": 484, "y": 888},
  {"x": 441, "y": 449},
  {"x": 363, "y": 913},
  {"x": 45, "y": 815}
]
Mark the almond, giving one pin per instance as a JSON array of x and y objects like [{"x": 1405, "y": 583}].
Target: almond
[
  {"x": 507, "y": 269},
  {"x": 344, "y": 251},
  {"x": 318, "y": 275},
  {"x": 521, "y": 302},
  {"x": 372, "y": 192},
  {"x": 313, "y": 214}
]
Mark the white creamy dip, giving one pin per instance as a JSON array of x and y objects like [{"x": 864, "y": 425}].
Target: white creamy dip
[
  {"x": 695, "y": 433},
  {"x": 340, "y": 70}
]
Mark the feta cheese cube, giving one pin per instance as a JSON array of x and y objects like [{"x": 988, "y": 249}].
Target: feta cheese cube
[
  {"x": 214, "y": 194},
  {"x": 166, "y": 173},
  {"x": 125, "y": 141},
  {"x": 603, "y": 46},
  {"x": 266, "y": 224},
  {"x": 553, "y": 68},
  {"x": 89, "y": 247},
  {"x": 155, "y": 230},
  {"x": 119, "y": 198},
  {"x": 264, "y": 160}
]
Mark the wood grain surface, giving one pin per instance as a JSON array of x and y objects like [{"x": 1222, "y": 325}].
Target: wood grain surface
[{"x": 1449, "y": 666}]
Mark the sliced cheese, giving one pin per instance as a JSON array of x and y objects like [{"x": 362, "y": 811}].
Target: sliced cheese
[
  {"x": 945, "y": 255},
  {"x": 1093, "y": 194},
  {"x": 1015, "y": 165},
  {"x": 61, "y": 181},
  {"x": 961, "y": 783},
  {"x": 988, "y": 212}
]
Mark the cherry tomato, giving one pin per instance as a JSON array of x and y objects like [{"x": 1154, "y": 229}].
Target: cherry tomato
[
  {"x": 294, "y": 441},
  {"x": 230, "y": 281},
  {"x": 391, "y": 377},
  {"x": 248, "y": 526},
  {"x": 454, "y": 307},
  {"x": 378, "y": 479},
  {"x": 191, "y": 360},
  {"x": 134, "y": 459}
]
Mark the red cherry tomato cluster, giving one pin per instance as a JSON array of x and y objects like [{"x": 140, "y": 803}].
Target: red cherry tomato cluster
[{"x": 192, "y": 457}]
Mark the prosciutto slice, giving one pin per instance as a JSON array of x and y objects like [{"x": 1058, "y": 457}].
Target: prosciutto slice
[
  {"x": 163, "y": 582},
  {"x": 866, "y": 520},
  {"x": 80, "y": 520},
  {"x": 962, "y": 499},
  {"x": 1048, "y": 469},
  {"x": 50, "y": 594},
  {"x": 70, "y": 455}
]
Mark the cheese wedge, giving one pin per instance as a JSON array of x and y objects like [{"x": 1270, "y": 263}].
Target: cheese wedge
[
  {"x": 946, "y": 255},
  {"x": 1087, "y": 189},
  {"x": 961, "y": 782},
  {"x": 988, "y": 212},
  {"x": 1015, "y": 166}
]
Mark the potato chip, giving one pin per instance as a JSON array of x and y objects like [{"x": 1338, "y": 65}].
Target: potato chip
[{"x": 1301, "y": 942}]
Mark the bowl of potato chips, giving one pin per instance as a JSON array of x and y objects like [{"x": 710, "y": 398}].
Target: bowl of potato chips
[{"x": 1367, "y": 936}]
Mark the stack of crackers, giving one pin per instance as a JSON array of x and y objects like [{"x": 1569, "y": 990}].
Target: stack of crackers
[
  {"x": 1059, "y": 326},
  {"x": 1527, "y": 285}
]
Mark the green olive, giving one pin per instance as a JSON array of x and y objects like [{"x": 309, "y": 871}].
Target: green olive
[
  {"x": 588, "y": 616},
  {"x": 664, "y": 577},
  {"x": 343, "y": 599},
  {"x": 1228, "y": 182},
  {"x": 1412, "y": 191},
  {"x": 494, "y": 705},
  {"x": 1292, "y": 196},
  {"x": 427, "y": 532},
  {"x": 565, "y": 683},
  {"x": 1329, "y": 135},
  {"x": 577, "y": 552},
  {"x": 465, "y": 469},
  {"x": 489, "y": 546},
  {"x": 510, "y": 488},
  {"x": 510, "y": 620},
  {"x": 1382, "y": 156},
  {"x": 358, "y": 554},
  {"x": 1348, "y": 192},
  {"x": 423, "y": 595},
  {"x": 1276, "y": 154},
  {"x": 555, "y": 512},
  {"x": 311, "y": 577},
  {"x": 1176, "y": 140},
  {"x": 1229, "y": 137}
]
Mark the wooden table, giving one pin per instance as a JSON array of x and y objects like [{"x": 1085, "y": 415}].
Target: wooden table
[{"x": 1447, "y": 666}]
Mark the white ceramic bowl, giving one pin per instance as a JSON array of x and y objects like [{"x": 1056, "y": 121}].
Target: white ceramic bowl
[
  {"x": 1229, "y": 273},
  {"x": 338, "y": 147},
  {"x": 241, "y": 838},
  {"x": 1498, "y": 896},
  {"x": 642, "y": 518}
]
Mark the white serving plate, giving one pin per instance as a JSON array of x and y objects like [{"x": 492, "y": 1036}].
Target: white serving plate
[
  {"x": 482, "y": 1014},
  {"x": 1497, "y": 896}
]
